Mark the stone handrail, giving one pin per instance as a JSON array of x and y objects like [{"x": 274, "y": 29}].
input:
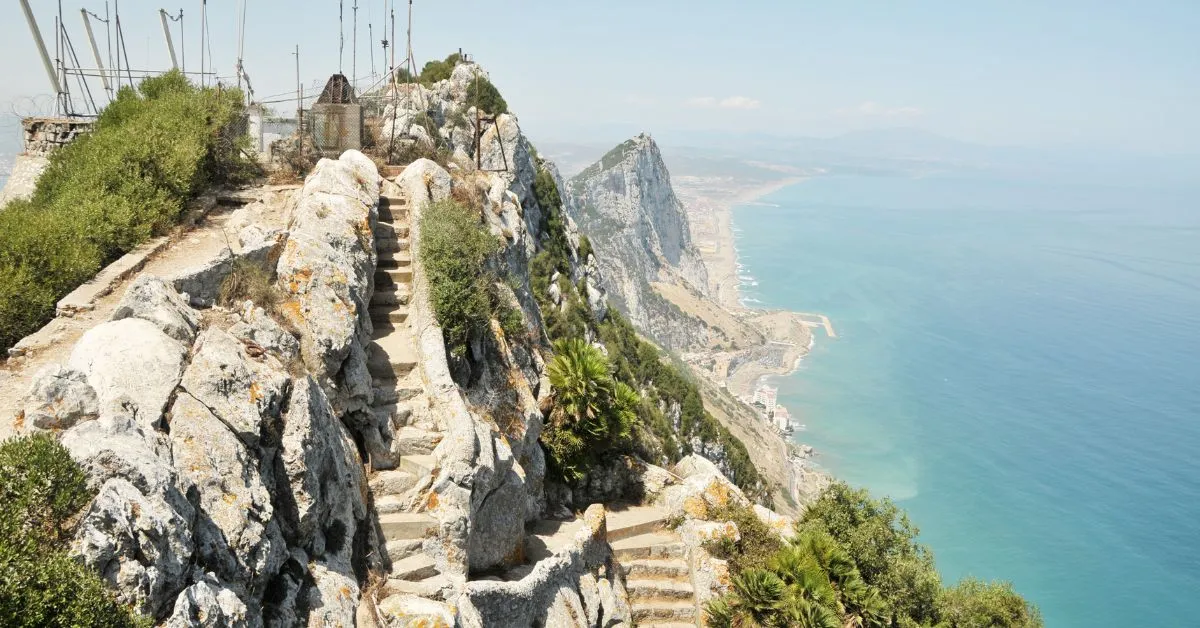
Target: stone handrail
[{"x": 519, "y": 603}]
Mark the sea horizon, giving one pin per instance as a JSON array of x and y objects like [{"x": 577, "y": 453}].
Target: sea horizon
[{"x": 981, "y": 380}]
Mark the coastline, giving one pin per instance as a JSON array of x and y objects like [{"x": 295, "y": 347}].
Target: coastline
[{"x": 723, "y": 261}]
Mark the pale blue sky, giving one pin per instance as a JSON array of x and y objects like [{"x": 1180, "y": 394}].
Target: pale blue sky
[{"x": 1106, "y": 75}]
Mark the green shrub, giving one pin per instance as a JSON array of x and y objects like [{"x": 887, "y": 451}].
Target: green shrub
[
  {"x": 591, "y": 414},
  {"x": 454, "y": 249},
  {"x": 149, "y": 151},
  {"x": 41, "y": 488},
  {"x": 41, "y": 491},
  {"x": 435, "y": 71},
  {"x": 975, "y": 604},
  {"x": 882, "y": 541},
  {"x": 585, "y": 248},
  {"x": 639, "y": 364},
  {"x": 757, "y": 542},
  {"x": 483, "y": 95}
]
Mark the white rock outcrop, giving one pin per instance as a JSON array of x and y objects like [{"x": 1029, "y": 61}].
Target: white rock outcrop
[
  {"x": 229, "y": 490},
  {"x": 640, "y": 233}
]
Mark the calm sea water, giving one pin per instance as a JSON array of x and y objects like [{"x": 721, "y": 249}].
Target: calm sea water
[{"x": 1018, "y": 365}]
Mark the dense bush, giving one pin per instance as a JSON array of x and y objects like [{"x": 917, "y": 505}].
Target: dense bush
[
  {"x": 483, "y": 95},
  {"x": 756, "y": 544},
  {"x": 639, "y": 364},
  {"x": 854, "y": 561},
  {"x": 41, "y": 491},
  {"x": 882, "y": 543},
  {"x": 454, "y": 249},
  {"x": 975, "y": 604},
  {"x": 591, "y": 413},
  {"x": 150, "y": 150},
  {"x": 435, "y": 71}
]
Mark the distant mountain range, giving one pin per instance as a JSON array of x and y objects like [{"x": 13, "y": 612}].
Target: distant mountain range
[{"x": 896, "y": 151}]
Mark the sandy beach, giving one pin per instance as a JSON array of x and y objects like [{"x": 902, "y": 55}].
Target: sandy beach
[{"x": 710, "y": 203}]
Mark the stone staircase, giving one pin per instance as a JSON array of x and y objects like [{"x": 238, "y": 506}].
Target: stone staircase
[
  {"x": 405, "y": 468},
  {"x": 657, "y": 575},
  {"x": 653, "y": 560}
]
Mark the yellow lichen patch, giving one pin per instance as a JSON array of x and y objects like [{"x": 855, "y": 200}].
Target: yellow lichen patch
[
  {"x": 293, "y": 311},
  {"x": 19, "y": 421},
  {"x": 229, "y": 498},
  {"x": 431, "y": 503},
  {"x": 695, "y": 507},
  {"x": 255, "y": 392},
  {"x": 717, "y": 494}
]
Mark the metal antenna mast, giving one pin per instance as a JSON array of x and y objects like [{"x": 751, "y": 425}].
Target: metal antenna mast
[
  {"x": 354, "y": 47},
  {"x": 341, "y": 34},
  {"x": 87, "y": 26},
  {"x": 41, "y": 46},
  {"x": 203, "y": 32},
  {"x": 162, "y": 17}
]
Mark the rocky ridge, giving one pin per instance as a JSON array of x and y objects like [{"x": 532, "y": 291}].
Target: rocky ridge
[
  {"x": 626, "y": 206},
  {"x": 328, "y": 463}
]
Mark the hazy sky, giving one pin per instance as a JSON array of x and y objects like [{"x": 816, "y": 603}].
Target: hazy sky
[{"x": 1082, "y": 74}]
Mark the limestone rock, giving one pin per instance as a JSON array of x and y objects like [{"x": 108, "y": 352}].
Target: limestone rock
[
  {"x": 425, "y": 182},
  {"x": 130, "y": 358},
  {"x": 257, "y": 327},
  {"x": 242, "y": 391},
  {"x": 202, "y": 283},
  {"x": 236, "y": 535},
  {"x": 60, "y": 398},
  {"x": 407, "y": 611},
  {"x": 324, "y": 479},
  {"x": 640, "y": 233},
  {"x": 151, "y": 299},
  {"x": 207, "y": 604},
  {"x": 326, "y": 266},
  {"x": 332, "y": 598},
  {"x": 137, "y": 543}
]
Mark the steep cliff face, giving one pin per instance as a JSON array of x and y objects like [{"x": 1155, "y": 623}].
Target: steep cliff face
[{"x": 640, "y": 233}]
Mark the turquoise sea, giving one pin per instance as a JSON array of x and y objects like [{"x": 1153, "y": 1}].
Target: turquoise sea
[{"x": 1018, "y": 365}]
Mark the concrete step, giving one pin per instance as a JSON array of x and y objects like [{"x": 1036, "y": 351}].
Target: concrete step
[
  {"x": 391, "y": 296},
  {"x": 633, "y": 521},
  {"x": 389, "y": 483},
  {"x": 658, "y": 569},
  {"x": 682, "y": 609},
  {"x": 388, "y": 200},
  {"x": 651, "y": 545},
  {"x": 388, "y": 392},
  {"x": 390, "y": 229},
  {"x": 395, "y": 413},
  {"x": 394, "y": 314},
  {"x": 419, "y": 465},
  {"x": 663, "y": 590},
  {"x": 406, "y": 525},
  {"x": 390, "y": 244},
  {"x": 409, "y": 441},
  {"x": 415, "y": 567},
  {"x": 400, "y": 549},
  {"x": 391, "y": 357},
  {"x": 393, "y": 277},
  {"x": 432, "y": 588},
  {"x": 399, "y": 259}
]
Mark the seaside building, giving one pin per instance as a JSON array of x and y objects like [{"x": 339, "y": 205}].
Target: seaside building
[
  {"x": 766, "y": 397},
  {"x": 783, "y": 419}
]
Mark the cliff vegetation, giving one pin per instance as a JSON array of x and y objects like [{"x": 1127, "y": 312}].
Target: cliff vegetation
[
  {"x": 151, "y": 150},
  {"x": 853, "y": 561}
]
